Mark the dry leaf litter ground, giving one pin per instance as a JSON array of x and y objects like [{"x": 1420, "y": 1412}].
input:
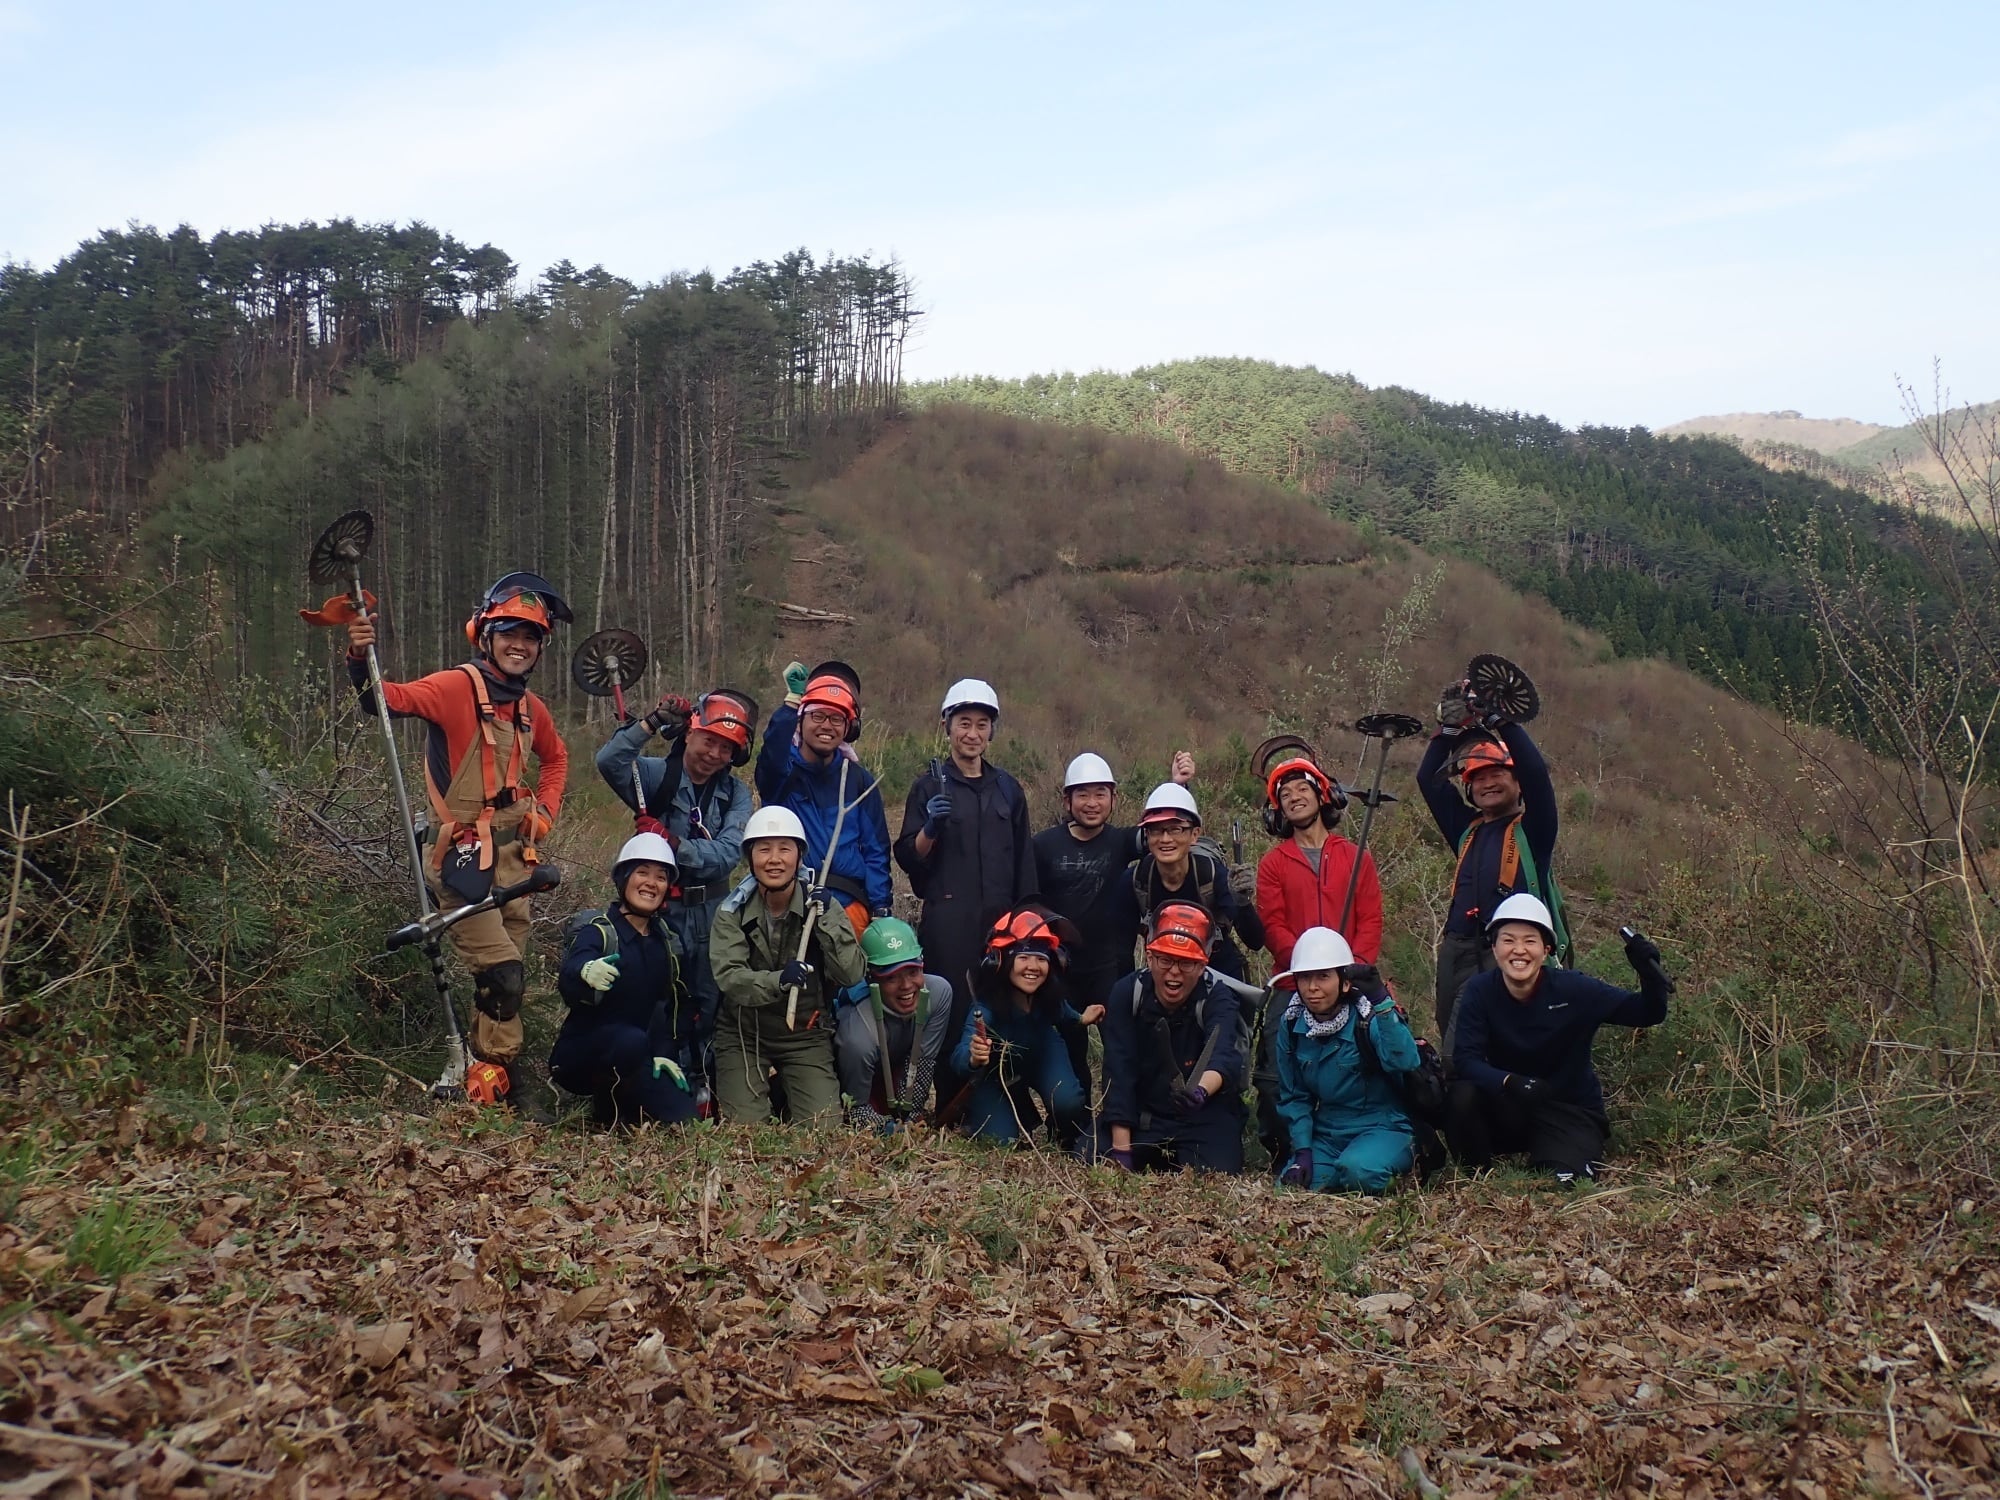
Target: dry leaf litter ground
[{"x": 460, "y": 1306}]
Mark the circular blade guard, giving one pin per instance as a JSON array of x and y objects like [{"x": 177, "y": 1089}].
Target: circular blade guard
[
  {"x": 1504, "y": 688},
  {"x": 341, "y": 547},
  {"x": 609, "y": 661},
  {"x": 1388, "y": 726}
]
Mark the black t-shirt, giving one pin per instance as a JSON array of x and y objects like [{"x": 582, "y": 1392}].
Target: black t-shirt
[{"x": 1086, "y": 880}]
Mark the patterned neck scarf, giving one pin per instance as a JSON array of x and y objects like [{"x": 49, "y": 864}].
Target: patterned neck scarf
[{"x": 1317, "y": 1029}]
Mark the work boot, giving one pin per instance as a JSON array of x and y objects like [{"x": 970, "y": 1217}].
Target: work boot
[{"x": 524, "y": 1097}]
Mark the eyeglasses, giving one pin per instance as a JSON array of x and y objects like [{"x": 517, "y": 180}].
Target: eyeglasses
[
  {"x": 1175, "y": 830},
  {"x": 824, "y": 716}
]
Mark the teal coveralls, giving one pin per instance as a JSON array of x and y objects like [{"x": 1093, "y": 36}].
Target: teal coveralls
[{"x": 1350, "y": 1115}]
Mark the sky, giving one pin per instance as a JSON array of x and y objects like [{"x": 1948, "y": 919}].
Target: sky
[{"x": 1603, "y": 213}]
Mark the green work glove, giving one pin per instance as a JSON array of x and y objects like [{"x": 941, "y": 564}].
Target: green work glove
[
  {"x": 601, "y": 973},
  {"x": 795, "y": 682},
  {"x": 672, "y": 1069}
]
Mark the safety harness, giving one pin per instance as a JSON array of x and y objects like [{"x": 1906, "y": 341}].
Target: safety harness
[
  {"x": 496, "y": 791},
  {"x": 1515, "y": 858}
]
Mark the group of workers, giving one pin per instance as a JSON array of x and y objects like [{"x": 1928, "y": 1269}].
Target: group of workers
[{"x": 793, "y": 990}]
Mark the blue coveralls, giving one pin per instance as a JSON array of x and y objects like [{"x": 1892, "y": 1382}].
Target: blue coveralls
[
  {"x": 609, "y": 1038},
  {"x": 1031, "y": 1058},
  {"x": 708, "y": 821},
  {"x": 1348, "y": 1114}
]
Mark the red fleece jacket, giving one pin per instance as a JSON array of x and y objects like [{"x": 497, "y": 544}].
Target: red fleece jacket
[{"x": 1291, "y": 898}]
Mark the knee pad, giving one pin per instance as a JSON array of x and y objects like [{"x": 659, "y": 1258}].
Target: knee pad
[{"x": 498, "y": 991}]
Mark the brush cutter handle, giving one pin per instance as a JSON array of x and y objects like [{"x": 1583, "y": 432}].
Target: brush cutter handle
[{"x": 541, "y": 878}]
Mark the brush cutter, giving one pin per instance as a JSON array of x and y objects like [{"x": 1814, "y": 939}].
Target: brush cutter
[
  {"x": 336, "y": 557},
  {"x": 435, "y": 924},
  {"x": 604, "y": 665},
  {"x": 1384, "y": 730},
  {"x": 842, "y": 807},
  {"x": 1492, "y": 692}
]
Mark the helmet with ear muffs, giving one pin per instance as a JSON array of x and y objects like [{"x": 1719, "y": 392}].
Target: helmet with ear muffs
[
  {"x": 525, "y": 597},
  {"x": 730, "y": 713},
  {"x": 1332, "y": 796},
  {"x": 1030, "y": 928}
]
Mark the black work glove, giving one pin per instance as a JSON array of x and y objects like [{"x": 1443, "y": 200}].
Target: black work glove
[
  {"x": 1520, "y": 1086},
  {"x": 1643, "y": 954},
  {"x": 670, "y": 716},
  {"x": 794, "y": 975}
]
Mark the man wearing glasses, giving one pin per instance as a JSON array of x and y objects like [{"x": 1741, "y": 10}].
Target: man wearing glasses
[
  {"x": 807, "y": 763},
  {"x": 1176, "y": 868}
]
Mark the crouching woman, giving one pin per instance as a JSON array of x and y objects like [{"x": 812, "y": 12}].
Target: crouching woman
[
  {"x": 629, "y": 1034},
  {"x": 1340, "y": 1045},
  {"x": 1014, "y": 1049}
]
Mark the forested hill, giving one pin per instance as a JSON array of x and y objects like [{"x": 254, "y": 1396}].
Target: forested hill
[
  {"x": 220, "y": 399},
  {"x": 1681, "y": 548}
]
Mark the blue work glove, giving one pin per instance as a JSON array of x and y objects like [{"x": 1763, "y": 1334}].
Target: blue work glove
[
  {"x": 937, "y": 813},
  {"x": 1299, "y": 1170},
  {"x": 794, "y": 975}
]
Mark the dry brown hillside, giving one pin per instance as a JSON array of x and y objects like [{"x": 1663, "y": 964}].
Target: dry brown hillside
[
  {"x": 1124, "y": 596},
  {"x": 1789, "y": 428}
]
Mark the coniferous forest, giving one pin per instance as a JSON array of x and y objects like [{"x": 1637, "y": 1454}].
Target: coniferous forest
[{"x": 177, "y": 395}]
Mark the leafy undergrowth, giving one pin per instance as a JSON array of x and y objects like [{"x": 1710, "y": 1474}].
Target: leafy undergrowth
[{"x": 333, "y": 1306}]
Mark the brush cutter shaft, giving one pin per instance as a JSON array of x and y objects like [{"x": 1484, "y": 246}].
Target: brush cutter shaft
[
  {"x": 812, "y": 913},
  {"x": 540, "y": 878}
]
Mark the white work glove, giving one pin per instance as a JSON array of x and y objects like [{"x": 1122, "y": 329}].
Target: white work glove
[{"x": 601, "y": 973}]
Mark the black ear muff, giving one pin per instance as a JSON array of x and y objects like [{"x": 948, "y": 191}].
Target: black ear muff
[
  {"x": 1329, "y": 813},
  {"x": 1274, "y": 823}
]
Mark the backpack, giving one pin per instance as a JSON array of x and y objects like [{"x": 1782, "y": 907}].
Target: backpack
[{"x": 1421, "y": 1090}]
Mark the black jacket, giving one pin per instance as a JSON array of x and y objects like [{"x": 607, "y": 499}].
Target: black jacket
[
  {"x": 1146, "y": 1047},
  {"x": 650, "y": 992},
  {"x": 982, "y": 866}
]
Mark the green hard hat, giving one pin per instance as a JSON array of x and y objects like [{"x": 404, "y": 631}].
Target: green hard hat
[{"x": 889, "y": 943}]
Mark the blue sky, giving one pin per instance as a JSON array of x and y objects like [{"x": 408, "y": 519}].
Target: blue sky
[{"x": 1607, "y": 213}]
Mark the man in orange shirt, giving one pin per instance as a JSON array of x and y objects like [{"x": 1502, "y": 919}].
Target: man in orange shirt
[{"x": 487, "y": 823}]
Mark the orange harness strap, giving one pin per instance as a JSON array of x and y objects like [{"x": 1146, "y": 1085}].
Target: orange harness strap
[
  {"x": 1510, "y": 854},
  {"x": 491, "y": 784}
]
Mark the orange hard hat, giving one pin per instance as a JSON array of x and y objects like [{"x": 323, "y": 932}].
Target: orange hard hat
[
  {"x": 1180, "y": 929},
  {"x": 1486, "y": 755},
  {"x": 830, "y": 691},
  {"x": 1298, "y": 765},
  {"x": 726, "y": 713},
  {"x": 1023, "y": 931}
]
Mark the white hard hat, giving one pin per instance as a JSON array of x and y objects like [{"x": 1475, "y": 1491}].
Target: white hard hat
[
  {"x": 1088, "y": 769},
  {"x": 641, "y": 848},
  {"x": 769, "y": 822},
  {"x": 1522, "y": 907},
  {"x": 1318, "y": 949},
  {"x": 1170, "y": 800},
  {"x": 970, "y": 692}
]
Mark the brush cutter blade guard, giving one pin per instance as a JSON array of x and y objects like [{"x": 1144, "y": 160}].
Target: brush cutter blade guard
[
  {"x": 1267, "y": 754},
  {"x": 340, "y": 548},
  {"x": 1388, "y": 726},
  {"x": 608, "y": 662},
  {"x": 1503, "y": 688}
]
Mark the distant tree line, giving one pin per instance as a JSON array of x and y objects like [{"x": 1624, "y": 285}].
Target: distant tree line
[{"x": 607, "y": 434}]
